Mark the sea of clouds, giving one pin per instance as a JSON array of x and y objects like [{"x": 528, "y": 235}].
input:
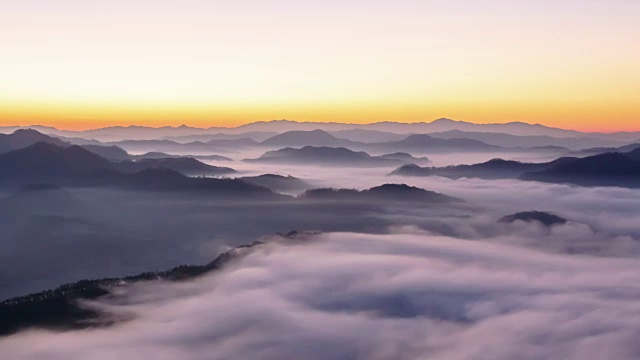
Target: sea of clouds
[
  {"x": 441, "y": 282},
  {"x": 403, "y": 295}
]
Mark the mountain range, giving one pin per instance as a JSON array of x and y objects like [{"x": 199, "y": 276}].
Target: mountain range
[
  {"x": 75, "y": 166},
  {"x": 608, "y": 169},
  {"x": 386, "y": 192},
  {"x": 492, "y": 169},
  {"x": 379, "y": 142},
  {"x": 384, "y": 131},
  {"x": 321, "y": 155}
]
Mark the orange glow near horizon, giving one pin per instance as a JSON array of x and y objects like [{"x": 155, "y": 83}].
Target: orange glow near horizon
[
  {"x": 591, "y": 118},
  {"x": 87, "y": 64}
]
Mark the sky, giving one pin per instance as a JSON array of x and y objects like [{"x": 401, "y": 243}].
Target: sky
[{"x": 78, "y": 64}]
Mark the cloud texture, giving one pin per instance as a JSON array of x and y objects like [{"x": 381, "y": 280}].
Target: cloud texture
[{"x": 362, "y": 296}]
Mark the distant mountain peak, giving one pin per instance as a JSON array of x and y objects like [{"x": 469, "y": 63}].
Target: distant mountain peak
[
  {"x": 445, "y": 121},
  {"x": 545, "y": 218}
]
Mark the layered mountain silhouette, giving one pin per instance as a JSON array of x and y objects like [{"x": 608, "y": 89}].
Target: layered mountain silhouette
[
  {"x": 386, "y": 192},
  {"x": 166, "y": 180},
  {"x": 604, "y": 150},
  {"x": 526, "y": 141},
  {"x": 424, "y": 142},
  {"x": 610, "y": 169},
  {"x": 110, "y": 152},
  {"x": 184, "y": 165},
  {"x": 77, "y": 167},
  {"x": 161, "y": 155},
  {"x": 255, "y": 130},
  {"x": 492, "y": 169},
  {"x": 307, "y": 138},
  {"x": 367, "y": 136},
  {"x": 545, "y": 218},
  {"x": 168, "y": 146},
  {"x": 328, "y": 156},
  {"x": 45, "y": 162},
  {"x": 439, "y": 125},
  {"x": 254, "y": 135},
  {"x": 634, "y": 154},
  {"x": 22, "y": 138},
  {"x": 406, "y": 157}
]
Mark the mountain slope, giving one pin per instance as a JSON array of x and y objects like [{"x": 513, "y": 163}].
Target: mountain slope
[
  {"x": 44, "y": 162},
  {"x": 406, "y": 158},
  {"x": 492, "y": 169},
  {"x": 59, "y": 308},
  {"x": 327, "y": 156},
  {"x": 526, "y": 141},
  {"x": 306, "y": 138},
  {"x": 184, "y": 165},
  {"x": 424, "y": 142},
  {"x": 22, "y": 138},
  {"x": 547, "y": 219},
  {"x": 76, "y": 167},
  {"x": 610, "y": 169},
  {"x": 386, "y": 192},
  {"x": 110, "y": 152}
]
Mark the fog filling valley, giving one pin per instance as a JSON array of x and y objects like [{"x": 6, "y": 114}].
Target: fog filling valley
[{"x": 352, "y": 278}]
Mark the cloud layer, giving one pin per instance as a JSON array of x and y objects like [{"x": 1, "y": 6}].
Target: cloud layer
[{"x": 363, "y": 296}]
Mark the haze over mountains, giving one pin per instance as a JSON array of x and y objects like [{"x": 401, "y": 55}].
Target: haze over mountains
[
  {"x": 329, "y": 156},
  {"x": 391, "y": 231},
  {"x": 493, "y": 134},
  {"x": 608, "y": 169}
]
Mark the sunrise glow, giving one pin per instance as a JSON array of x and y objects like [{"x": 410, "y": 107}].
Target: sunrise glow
[{"x": 86, "y": 64}]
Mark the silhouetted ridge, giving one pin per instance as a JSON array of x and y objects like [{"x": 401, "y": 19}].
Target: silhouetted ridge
[
  {"x": 305, "y": 138},
  {"x": 76, "y": 167},
  {"x": 329, "y": 193},
  {"x": 492, "y": 169},
  {"x": 634, "y": 154},
  {"x": 427, "y": 142},
  {"x": 23, "y": 138},
  {"x": 545, "y": 218},
  {"x": 59, "y": 308},
  {"x": 405, "y": 157},
  {"x": 187, "y": 166},
  {"x": 110, "y": 152},
  {"x": 387, "y": 192},
  {"x": 161, "y": 155},
  {"x": 322, "y": 155},
  {"x": 610, "y": 169},
  {"x": 44, "y": 162}
]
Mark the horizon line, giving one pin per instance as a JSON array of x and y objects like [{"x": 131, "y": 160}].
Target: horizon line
[{"x": 184, "y": 125}]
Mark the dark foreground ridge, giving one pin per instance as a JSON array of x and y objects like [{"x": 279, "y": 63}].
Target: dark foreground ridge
[
  {"x": 61, "y": 308},
  {"x": 545, "y": 218}
]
